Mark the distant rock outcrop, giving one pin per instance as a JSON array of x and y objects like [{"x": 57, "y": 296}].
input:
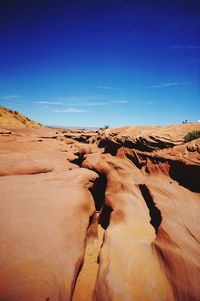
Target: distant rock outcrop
[
  {"x": 146, "y": 138},
  {"x": 13, "y": 119}
]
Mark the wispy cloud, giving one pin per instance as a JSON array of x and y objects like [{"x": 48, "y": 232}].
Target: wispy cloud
[
  {"x": 107, "y": 87},
  {"x": 9, "y": 96},
  {"x": 69, "y": 110},
  {"x": 184, "y": 46},
  {"x": 170, "y": 84},
  {"x": 48, "y": 102},
  {"x": 74, "y": 102},
  {"x": 77, "y": 102},
  {"x": 195, "y": 61},
  {"x": 119, "y": 101},
  {"x": 78, "y": 98},
  {"x": 163, "y": 85},
  {"x": 95, "y": 104}
]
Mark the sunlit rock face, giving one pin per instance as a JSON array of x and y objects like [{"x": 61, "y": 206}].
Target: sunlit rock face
[
  {"x": 13, "y": 119},
  {"x": 145, "y": 138},
  {"x": 110, "y": 216}
]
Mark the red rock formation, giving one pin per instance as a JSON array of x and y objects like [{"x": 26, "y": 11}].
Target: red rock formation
[
  {"x": 146, "y": 200},
  {"x": 44, "y": 219},
  {"x": 164, "y": 262},
  {"x": 13, "y": 119},
  {"x": 145, "y": 138},
  {"x": 127, "y": 260}
]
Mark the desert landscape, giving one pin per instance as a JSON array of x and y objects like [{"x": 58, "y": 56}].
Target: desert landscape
[
  {"x": 99, "y": 150},
  {"x": 110, "y": 214}
]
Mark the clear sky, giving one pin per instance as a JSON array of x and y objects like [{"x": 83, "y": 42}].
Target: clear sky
[{"x": 96, "y": 63}]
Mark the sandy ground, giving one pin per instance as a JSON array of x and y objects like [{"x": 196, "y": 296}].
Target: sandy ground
[{"x": 87, "y": 277}]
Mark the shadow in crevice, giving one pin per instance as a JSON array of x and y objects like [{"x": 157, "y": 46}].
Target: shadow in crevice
[
  {"x": 98, "y": 191},
  {"x": 186, "y": 175},
  {"x": 91, "y": 219},
  {"x": 79, "y": 160},
  {"x": 154, "y": 212},
  {"x": 104, "y": 218}
]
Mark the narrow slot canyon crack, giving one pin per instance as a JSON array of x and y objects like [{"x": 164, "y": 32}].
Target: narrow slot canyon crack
[
  {"x": 79, "y": 159},
  {"x": 87, "y": 277},
  {"x": 154, "y": 212}
]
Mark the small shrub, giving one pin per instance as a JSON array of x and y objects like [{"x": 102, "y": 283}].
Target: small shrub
[
  {"x": 24, "y": 122},
  {"x": 191, "y": 136},
  {"x": 104, "y": 128}
]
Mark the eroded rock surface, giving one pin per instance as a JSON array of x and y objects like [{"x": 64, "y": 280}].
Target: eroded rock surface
[
  {"x": 117, "y": 222},
  {"x": 146, "y": 138},
  {"x": 157, "y": 220},
  {"x": 45, "y": 210}
]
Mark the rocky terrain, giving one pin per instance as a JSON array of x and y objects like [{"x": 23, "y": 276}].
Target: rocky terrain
[
  {"x": 13, "y": 119},
  {"x": 100, "y": 215}
]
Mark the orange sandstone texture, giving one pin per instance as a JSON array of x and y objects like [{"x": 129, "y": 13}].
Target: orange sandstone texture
[
  {"x": 129, "y": 267},
  {"x": 146, "y": 246},
  {"x": 45, "y": 210},
  {"x": 13, "y": 119},
  {"x": 146, "y": 138},
  {"x": 151, "y": 249}
]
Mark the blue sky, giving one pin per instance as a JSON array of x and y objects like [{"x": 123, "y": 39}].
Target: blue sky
[{"x": 96, "y": 63}]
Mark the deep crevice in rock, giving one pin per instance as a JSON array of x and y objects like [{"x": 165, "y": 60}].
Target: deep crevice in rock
[
  {"x": 109, "y": 146},
  {"x": 104, "y": 218},
  {"x": 79, "y": 160},
  {"x": 154, "y": 212},
  {"x": 91, "y": 219},
  {"x": 98, "y": 191},
  {"x": 140, "y": 144},
  {"x": 186, "y": 175},
  {"x": 98, "y": 223}
]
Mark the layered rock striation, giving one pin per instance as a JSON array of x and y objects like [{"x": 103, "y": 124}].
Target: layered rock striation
[{"x": 110, "y": 216}]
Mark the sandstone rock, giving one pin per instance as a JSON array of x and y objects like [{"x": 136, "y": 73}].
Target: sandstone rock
[
  {"x": 146, "y": 138},
  {"x": 125, "y": 222},
  {"x": 153, "y": 225},
  {"x": 44, "y": 219},
  {"x": 13, "y": 119}
]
